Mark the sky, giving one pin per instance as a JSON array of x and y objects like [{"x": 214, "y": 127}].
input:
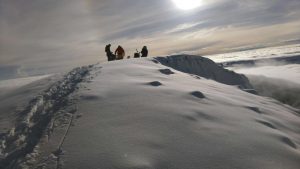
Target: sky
[{"x": 46, "y": 36}]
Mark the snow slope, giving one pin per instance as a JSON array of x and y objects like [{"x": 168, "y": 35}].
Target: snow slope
[
  {"x": 205, "y": 67},
  {"x": 19, "y": 144},
  {"x": 140, "y": 114},
  {"x": 13, "y": 83},
  {"x": 15, "y": 95}
]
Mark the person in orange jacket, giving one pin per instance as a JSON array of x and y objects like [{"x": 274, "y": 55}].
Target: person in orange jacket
[{"x": 120, "y": 53}]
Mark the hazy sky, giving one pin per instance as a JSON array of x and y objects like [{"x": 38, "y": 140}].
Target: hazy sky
[{"x": 53, "y": 35}]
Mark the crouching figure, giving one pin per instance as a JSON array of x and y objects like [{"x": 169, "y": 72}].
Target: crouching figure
[{"x": 120, "y": 53}]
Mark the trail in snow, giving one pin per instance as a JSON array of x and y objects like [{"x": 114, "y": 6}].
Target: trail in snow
[
  {"x": 23, "y": 138},
  {"x": 139, "y": 114},
  {"x": 144, "y": 115}
]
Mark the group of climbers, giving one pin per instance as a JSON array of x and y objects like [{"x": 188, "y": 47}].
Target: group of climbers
[{"x": 120, "y": 53}]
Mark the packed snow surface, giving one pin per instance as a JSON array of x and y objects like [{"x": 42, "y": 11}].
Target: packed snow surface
[
  {"x": 13, "y": 83},
  {"x": 13, "y": 98},
  {"x": 140, "y": 114}
]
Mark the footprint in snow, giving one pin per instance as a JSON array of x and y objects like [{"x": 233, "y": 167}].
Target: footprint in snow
[
  {"x": 198, "y": 94},
  {"x": 266, "y": 124},
  {"x": 255, "y": 109},
  {"x": 155, "y": 83},
  {"x": 196, "y": 77},
  {"x": 155, "y": 61},
  {"x": 288, "y": 142},
  {"x": 166, "y": 71}
]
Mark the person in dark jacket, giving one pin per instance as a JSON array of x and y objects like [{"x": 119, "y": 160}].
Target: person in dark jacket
[
  {"x": 120, "y": 53},
  {"x": 137, "y": 54},
  {"x": 144, "y": 52},
  {"x": 109, "y": 54}
]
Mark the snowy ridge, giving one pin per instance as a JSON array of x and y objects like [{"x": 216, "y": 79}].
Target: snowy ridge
[
  {"x": 205, "y": 67},
  {"x": 22, "y": 139},
  {"x": 142, "y": 114}
]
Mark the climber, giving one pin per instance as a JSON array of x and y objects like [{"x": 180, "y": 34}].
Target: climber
[
  {"x": 109, "y": 54},
  {"x": 120, "y": 53},
  {"x": 144, "y": 52}
]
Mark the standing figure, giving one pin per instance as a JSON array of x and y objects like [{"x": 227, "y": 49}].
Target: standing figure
[
  {"x": 109, "y": 54},
  {"x": 120, "y": 53},
  {"x": 144, "y": 52}
]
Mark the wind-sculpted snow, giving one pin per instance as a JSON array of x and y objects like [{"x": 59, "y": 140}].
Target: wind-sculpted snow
[
  {"x": 140, "y": 114},
  {"x": 21, "y": 141},
  {"x": 206, "y": 68}
]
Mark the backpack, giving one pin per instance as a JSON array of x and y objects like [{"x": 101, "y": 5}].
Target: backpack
[{"x": 136, "y": 55}]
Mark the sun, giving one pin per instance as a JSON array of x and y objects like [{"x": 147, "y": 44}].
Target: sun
[{"x": 187, "y": 4}]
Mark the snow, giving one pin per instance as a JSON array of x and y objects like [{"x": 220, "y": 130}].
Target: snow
[
  {"x": 139, "y": 113},
  {"x": 22, "y": 140},
  {"x": 14, "y": 83},
  {"x": 185, "y": 122},
  {"x": 205, "y": 67},
  {"x": 13, "y": 99}
]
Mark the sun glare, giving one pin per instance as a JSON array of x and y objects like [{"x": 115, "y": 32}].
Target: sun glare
[{"x": 187, "y": 4}]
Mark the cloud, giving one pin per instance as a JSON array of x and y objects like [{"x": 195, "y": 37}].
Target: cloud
[
  {"x": 7, "y": 72},
  {"x": 61, "y": 34}
]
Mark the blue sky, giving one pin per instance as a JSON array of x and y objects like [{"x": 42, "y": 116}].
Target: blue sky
[{"x": 55, "y": 35}]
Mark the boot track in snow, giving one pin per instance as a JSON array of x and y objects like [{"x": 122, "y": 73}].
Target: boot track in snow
[{"x": 22, "y": 140}]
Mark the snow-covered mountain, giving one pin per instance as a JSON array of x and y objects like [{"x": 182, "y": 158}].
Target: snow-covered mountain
[
  {"x": 141, "y": 113},
  {"x": 205, "y": 67}
]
